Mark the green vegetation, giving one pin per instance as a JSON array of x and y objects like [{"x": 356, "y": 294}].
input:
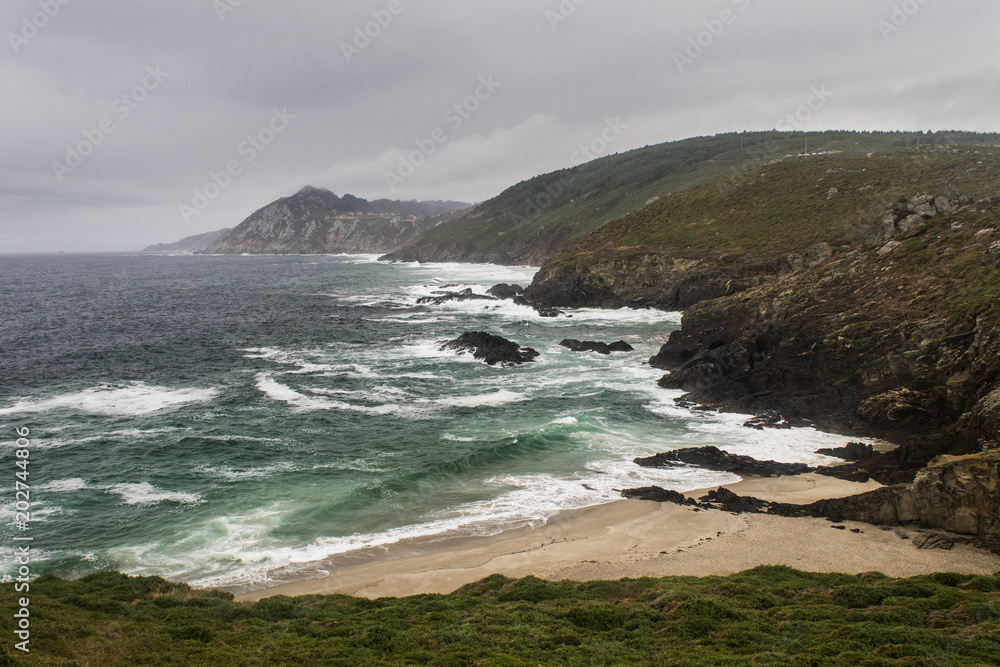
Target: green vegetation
[
  {"x": 769, "y": 615},
  {"x": 790, "y": 205},
  {"x": 540, "y": 217}
]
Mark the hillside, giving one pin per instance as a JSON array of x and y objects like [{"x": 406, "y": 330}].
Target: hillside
[
  {"x": 189, "y": 243},
  {"x": 316, "y": 221},
  {"x": 768, "y": 615},
  {"x": 538, "y": 218},
  {"x": 862, "y": 293}
]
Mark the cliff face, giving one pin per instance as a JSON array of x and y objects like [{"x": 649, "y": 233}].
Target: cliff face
[
  {"x": 862, "y": 294},
  {"x": 643, "y": 280},
  {"x": 316, "y": 221}
]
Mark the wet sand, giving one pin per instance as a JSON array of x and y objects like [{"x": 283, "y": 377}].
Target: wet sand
[{"x": 631, "y": 538}]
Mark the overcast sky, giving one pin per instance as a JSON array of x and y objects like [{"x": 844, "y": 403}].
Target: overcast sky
[{"x": 117, "y": 114}]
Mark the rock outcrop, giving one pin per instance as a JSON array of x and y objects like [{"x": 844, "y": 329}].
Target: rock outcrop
[
  {"x": 956, "y": 494},
  {"x": 444, "y": 296},
  {"x": 494, "y": 350},
  {"x": 594, "y": 346},
  {"x": 714, "y": 458}
]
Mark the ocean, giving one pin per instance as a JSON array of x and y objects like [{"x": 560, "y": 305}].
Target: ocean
[{"x": 235, "y": 421}]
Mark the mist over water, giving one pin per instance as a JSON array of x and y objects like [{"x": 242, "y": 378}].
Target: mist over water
[{"x": 230, "y": 421}]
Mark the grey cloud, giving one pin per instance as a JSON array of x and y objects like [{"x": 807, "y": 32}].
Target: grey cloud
[{"x": 353, "y": 119}]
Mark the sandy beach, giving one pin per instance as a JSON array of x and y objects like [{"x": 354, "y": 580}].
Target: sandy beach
[{"x": 631, "y": 538}]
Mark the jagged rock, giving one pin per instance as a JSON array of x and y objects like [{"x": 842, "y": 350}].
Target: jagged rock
[
  {"x": 592, "y": 346},
  {"x": 933, "y": 541},
  {"x": 726, "y": 500},
  {"x": 545, "y": 311},
  {"x": 854, "y": 451},
  {"x": 505, "y": 291},
  {"x": 769, "y": 419},
  {"x": 659, "y": 495},
  {"x": 713, "y": 458},
  {"x": 492, "y": 349},
  {"x": 445, "y": 296},
  {"x": 994, "y": 248}
]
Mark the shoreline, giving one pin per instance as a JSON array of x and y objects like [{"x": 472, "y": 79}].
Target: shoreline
[{"x": 633, "y": 538}]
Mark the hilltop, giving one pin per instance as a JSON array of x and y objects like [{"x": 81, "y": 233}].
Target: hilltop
[
  {"x": 543, "y": 216},
  {"x": 316, "y": 221}
]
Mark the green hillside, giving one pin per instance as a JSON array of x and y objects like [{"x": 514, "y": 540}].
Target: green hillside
[
  {"x": 536, "y": 219},
  {"x": 769, "y": 615}
]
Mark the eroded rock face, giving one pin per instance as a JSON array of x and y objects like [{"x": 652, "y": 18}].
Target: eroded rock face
[
  {"x": 492, "y": 349},
  {"x": 960, "y": 494}
]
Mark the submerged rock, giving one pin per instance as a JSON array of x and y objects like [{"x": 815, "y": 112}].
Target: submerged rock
[
  {"x": 592, "y": 346},
  {"x": 492, "y": 349}
]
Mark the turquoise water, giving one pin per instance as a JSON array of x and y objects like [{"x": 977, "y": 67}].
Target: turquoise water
[{"x": 232, "y": 421}]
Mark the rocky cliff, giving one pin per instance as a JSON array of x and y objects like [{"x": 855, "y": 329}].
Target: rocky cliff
[
  {"x": 316, "y": 221},
  {"x": 858, "y": 293}
]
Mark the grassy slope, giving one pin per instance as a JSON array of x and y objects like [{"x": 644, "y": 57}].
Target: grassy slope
[
  {"x": 769, "y": 615},
  {"x": 535, "y": 219},
  {"x": 782, "y": 208}
]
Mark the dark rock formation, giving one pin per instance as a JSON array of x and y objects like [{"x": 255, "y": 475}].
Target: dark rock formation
[
  {"x": 768, "y": 419},
  {"x": 659, "y": 495},
  {"x": 714, "y": 458},
  {"x": 600, "y": 348},
  {"x": 444, "y": 296},
  {"x": 854, "y": 452},
  {"x": 491, "y": 349},
  {"x": 505, "y": 291}
]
